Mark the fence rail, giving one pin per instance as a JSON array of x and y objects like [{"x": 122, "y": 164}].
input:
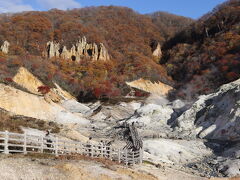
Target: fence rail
[{"x": 25, "y": 143}]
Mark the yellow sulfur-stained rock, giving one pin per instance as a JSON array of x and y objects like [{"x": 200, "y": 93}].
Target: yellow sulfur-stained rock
[
  {"x": 157, "y": 88},
  {"x": 27, "y": 80}
]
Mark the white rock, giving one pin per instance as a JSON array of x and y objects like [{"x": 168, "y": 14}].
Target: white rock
[
  {"x": 207, "y": 131},
  {"x": 177, "y": 104},
  {"x": 76, "y": 107},
  {"x": 34, "y": 132},
  {"x": 218, "y": 114},
  {"x": 231, "y": 167},
  {"x": 158, "y": 52},
  {"x": 175, "y": 151},
  {"x": 158, "y": 110},
  {"x": 5, "y": 47},
  {"x": 135, "y": 105},
  {"x": 65, "y": 117}
]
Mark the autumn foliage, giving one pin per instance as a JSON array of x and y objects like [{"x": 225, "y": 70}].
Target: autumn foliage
[
  {"x": 198, "y": 55},
  {"x": 206, "y": 54},
  {"x": 126, "y": 34},
  {"x": 44, "y": 89}
]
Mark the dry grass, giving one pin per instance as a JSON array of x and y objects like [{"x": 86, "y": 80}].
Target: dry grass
[
  {"x": 108, "y": 163},
  {"x": 14, "y": 123},
  {"x": 74, "y": 157},
  {"x": 33, "y": 156}
]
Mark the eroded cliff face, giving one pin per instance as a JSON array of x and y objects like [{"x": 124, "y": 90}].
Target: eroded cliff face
[
  {"x": 5, "y": 47},
  {"x": 214, "y": 116},
  {"x": 79, "y": 50},
  {"x": 157, "y": 88},
  {"x": 22, "y": 103},
  {"x": 25, "y": 79},
  {"x": 31, "y": 83}
]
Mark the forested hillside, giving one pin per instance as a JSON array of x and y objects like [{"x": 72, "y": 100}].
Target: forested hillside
[
  {"x": 128, "y": 36},
  {"x": 198, "y": 56},
  {"x": 206, "y": 54},
  {"x": 170, "y": 24}
]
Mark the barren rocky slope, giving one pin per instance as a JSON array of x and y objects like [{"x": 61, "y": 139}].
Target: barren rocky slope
[
  {"x": 170, "y": 130},
  {"x": 214, "y": 116}
]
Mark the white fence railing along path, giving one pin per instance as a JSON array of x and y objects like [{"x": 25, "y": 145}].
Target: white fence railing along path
[{"x": 25, "y": 143}]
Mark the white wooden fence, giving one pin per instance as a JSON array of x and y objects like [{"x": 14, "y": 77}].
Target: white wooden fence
[{"x": 24, "y": 143}]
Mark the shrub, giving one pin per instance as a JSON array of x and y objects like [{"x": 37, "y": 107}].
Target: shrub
[{"x": 44, "y": 89}]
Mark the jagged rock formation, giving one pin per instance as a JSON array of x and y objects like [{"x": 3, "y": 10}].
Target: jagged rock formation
[
  {"x": 53, "y": 49},
  {"x": 157, "y": 88},
  {"x": 79, "y": 50},
  {"x": 103, "y": 55},
  {"x": 5, "y": 47},
  {"x": 157, "y": 52},
  {"x": 214, "y": 116}
]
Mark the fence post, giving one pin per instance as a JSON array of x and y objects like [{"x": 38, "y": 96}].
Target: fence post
[
  {"x": 91, "y": 149},
  {"x": 64, "y": 147},
  {"x": 133, "y": 157},
  {"x": 119, "y": 156},
  {"x": 6, "y": 151},
  {"x": 42, "y": 144},
  {"x": 76, "y": 148},
  {"x": 141, "y": 155},
  {"x": 25, "y": 143},
  {"x": 56, "y": 146},
  {"x": 80, "y": 148},
  {"x": 101, "y": 149},
  {"x": 126, "y": 157},
  {"x": 110, "y": 153}
]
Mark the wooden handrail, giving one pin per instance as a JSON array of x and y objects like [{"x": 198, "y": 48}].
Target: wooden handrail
[{"x": 24, "y": 143}]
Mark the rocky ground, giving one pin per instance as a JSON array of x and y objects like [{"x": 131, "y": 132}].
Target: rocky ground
[
  {"x": 17, "y": 167},
  {"x": 202, "y": 138},
  {"x": 182, "y": 140}
]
